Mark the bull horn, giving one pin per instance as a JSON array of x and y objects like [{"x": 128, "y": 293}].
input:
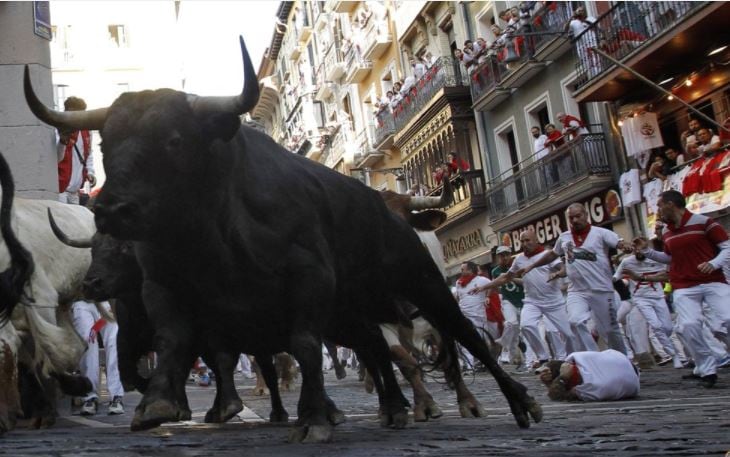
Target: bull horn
[
  {"x": 62, "y": 120},
  {"x": 238, "y": 104},
  {"x": 421, "y": 203},
  {"x": 86, "y": 243}
]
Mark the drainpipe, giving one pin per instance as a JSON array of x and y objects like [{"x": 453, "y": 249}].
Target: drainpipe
[{"x": 465, "y": 17}]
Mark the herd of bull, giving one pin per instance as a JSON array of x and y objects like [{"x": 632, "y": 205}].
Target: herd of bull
[{"x": 215, "y": 241}]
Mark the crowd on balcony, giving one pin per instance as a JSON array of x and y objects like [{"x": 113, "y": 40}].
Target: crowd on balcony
[{"x": 394, "y": 101}]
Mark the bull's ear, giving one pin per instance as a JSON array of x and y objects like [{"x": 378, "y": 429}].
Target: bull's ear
[
  {"x": 222, "y": 126},
  {"x": 427, "y": 220}
]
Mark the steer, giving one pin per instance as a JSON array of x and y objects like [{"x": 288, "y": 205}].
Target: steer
[
  {"x": 39, "y": 273},
  {"x": 244, "y": 244}
]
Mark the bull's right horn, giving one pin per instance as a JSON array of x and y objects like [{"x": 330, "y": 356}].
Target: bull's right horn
[
  {"x": 62, "y": 120},
  {"x": 83, "y": 243},
  {"x": 421, "y": 203}
]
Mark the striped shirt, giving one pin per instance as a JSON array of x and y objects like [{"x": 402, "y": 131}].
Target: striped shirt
[{"x": 697, "y": 239}]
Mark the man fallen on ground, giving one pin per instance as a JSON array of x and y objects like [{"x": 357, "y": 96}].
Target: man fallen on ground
[{"x": 591, "y": 376}]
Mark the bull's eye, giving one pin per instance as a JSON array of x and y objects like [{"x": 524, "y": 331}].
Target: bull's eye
[{"x": 174, "y": 142}]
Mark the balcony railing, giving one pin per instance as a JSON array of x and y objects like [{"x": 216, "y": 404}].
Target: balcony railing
[
  {"x": 377, "y": 38},
  {"x": 624, "y": 29},
  {"x": 536, "y": 179},
  {"x": 333, "y": 62},
  {"x": 469, "y": 192},
  {"x": 357, "y": 68},
  {"x": 384, "y": 127},
  {"x": 444, "y": 73},
  {"x": 525, "y": 44}
]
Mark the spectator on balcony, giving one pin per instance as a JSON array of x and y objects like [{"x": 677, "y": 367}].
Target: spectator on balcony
[
  {"x": 586, "y": 39},
  {"x": 456, "y": 163},
  {"x": 672, "y": 158},
  {"x": 466, "y": 59},
  {"x": 541, "y": 149},
  {"x": 573, "y": 126},
  {"x": 481, "y": 50},
  {"x": 555, "y": 139},
  {"x": 428, "y": 59},
  {"x": 707, "y": 143},
  {"x": 442, "y": 171},
  {"x": 689, "y": 138},
  {"x": 418, "y": 68},
  {"x": 656, "y": 169}
]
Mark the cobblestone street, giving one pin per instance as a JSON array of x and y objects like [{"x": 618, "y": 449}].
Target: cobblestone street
[{"x": 671, "y": 417}]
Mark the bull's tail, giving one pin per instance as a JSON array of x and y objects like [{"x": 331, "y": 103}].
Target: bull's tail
[{"x": 14, "y": 279}]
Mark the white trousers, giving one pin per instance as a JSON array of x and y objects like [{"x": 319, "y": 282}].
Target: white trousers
[
  {"x": 69, "y": 197},
  {"x": 556, "y": 325},
  {"x": 481, "y": 324},
  {"x": 511, "y": 333},
  {"x": 690, "y": 316},
  {"x": 656, "y": 314},
  {"x": 85, "y": 315},
  {"x": 602, "y": 306}
]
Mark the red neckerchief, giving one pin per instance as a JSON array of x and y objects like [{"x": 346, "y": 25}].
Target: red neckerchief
[
  {"x": 464, "y": 280},
  {"x": 579, "y": 237},
  {"x": 575, "y": 378},
  {"x": 538, "y": 250}
]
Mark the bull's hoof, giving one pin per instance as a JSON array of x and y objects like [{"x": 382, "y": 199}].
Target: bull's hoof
[
  {"x": 425, "y": 409},
  {"x": 340, "y": 372},
  {"x": 155, "y": 413},
  {"x": 335, "y": 416},
  {"x": 260, "y": 391},
  {"x": 396, "y": 419},
  {"x": 311, "y": 434},
  {"x": 369, "y": 386},
  {"x": 286, "y": 386},
  {"x": 279, "y": 417},
  {"x": 534, "y": 409},
  {"x": 470, "y": 407},
  {"x": 216, "y": 416}
]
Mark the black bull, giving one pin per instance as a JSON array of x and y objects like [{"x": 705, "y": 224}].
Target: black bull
[{"x": 245, "y": 244}]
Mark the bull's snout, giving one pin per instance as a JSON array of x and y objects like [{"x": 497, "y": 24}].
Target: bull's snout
[{"x": 115, "y": 217}]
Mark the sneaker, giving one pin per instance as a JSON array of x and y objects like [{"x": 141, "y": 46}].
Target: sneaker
[
  {"x": 89, "y": 407},
  {"x": 691, "y": 376},
  {"x": 116, "y": 406},
  {"x": 708, "y": 381},
  {"x": 677, "y": 363},
  {"x": 665, "y": 361}
]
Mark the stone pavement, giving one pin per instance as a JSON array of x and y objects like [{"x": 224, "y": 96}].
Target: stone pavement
[{"x": 671, "y": 417}]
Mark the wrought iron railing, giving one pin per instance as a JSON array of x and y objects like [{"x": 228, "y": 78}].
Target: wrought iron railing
[
  {"x": 623, "y": 30},
  {"x": 501, "y": 60},
  {"x": 354, "y": 57},
  {"x": 384, "y": 126},
  {"x": 444, "y": 72},
  {"x": 586, "y": 155},
  {"x": 467, "y": 186}
]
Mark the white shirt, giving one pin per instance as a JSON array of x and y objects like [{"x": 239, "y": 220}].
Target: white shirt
[
  {"x": 537, "y": 288},
  {"x": 646, "y": 266},
  {"x": 607, "y": 375},
  {"x": 588, "y": 266},
  {"x": 472, "y": 305},
  {"x": 577, "y": 27},
  {"x": 77, "y": 168},
  {"x": 540, "y": 149},
  {"x": 704, "y": 147}
]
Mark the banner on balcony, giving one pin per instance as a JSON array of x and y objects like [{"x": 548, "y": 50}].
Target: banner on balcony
[
  {"x": 641, "y": 133},
  {"x": 704, "y": 193},
  {"x": 603, "y": 208}
]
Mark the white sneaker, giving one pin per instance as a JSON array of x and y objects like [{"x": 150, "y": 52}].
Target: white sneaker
[
  {"x": 116, "y": 406},
  {"x": 89, "y": 407},
  {"x": 676, "y": 362}
]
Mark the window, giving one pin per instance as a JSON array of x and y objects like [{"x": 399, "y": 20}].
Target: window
[
  {"x": 508, "y": 153},
  {"x": 537, "y": 114},
  {"x": 60, "y": 93},
  {"x": 118, "y": 35}
]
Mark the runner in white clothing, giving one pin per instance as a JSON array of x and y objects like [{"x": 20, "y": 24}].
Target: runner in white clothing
[
  {"x": 472, "y": 304},
  {"x": 647, "y": 294},
  {"x": 589, "y": 270},
  {"x": 543, "y": 297}
]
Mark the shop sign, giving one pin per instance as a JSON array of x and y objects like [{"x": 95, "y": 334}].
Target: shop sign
[
  {"x": 602, "y": 208},
  {"x": 456, "y": 247},
  {"x": 42, "y": 20}
]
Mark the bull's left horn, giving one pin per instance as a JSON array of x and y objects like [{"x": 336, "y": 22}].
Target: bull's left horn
[
  {"x": 238, "y": 104},
  {"x": 83, "y": 243},
  {"x": 62, "y": 120},
  {"x": 447, "y": 196}
]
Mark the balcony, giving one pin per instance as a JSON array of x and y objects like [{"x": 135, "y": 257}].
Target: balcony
[
  {"x": 443, "y": 77},
  {"x": 574, "y": 169},
  {"x": 366, "y": 156},
  {"x": 650, "y": 37},
  {"x": 384, "y": 130},
  {"x": 469, "y": 196},
  {"x": 523, "y": 56},
  {"x": 335, "y": 148},
  {"x": 344, "y": 7},
  {"x": 357, "y": 67},
  {"x": 377, "y": 38},
  {"x": 333, "y": 63},
  {"x": 325, "y": 88}
]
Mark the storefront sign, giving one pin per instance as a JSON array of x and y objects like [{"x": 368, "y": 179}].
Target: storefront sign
[
  {"x": 602, "y": 208},
  {"x": 42, "y": 20},
  {"x": 456, "y": 247}
]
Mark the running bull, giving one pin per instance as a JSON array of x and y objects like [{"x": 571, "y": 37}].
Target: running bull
[{"x": 240, "y": 239}]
